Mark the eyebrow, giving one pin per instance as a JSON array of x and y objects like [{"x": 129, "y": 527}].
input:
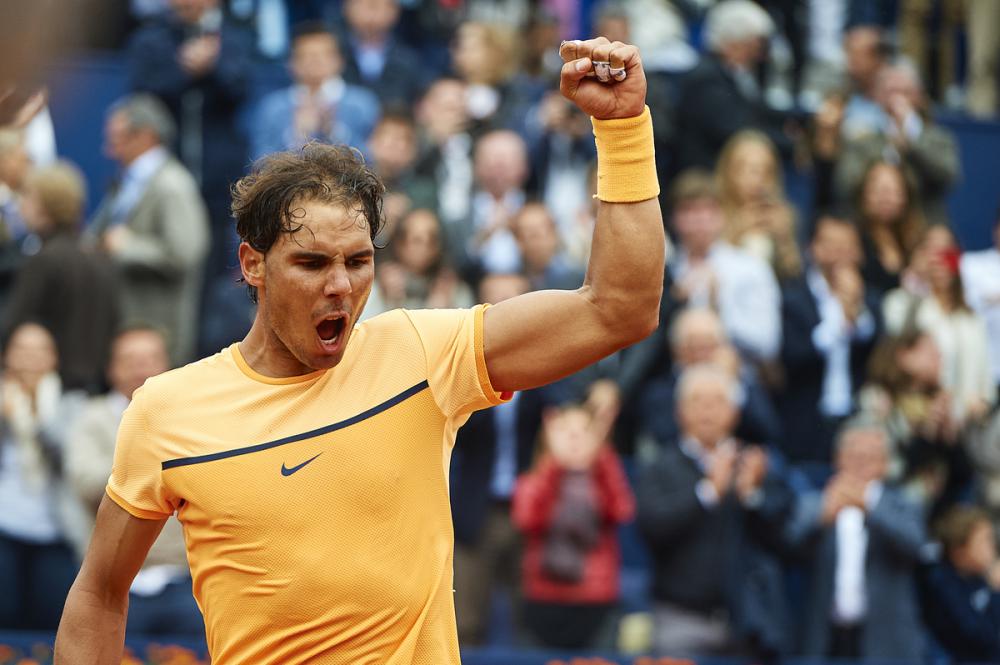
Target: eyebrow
[{"x": 306, "y": 255}]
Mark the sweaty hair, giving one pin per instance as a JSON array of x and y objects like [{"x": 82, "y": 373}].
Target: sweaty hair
[{"x": 268, "y": 202}]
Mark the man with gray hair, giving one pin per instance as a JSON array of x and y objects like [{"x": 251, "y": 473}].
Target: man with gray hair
[
  {"x": 862, "y": 537},
  {"x": 722, "y": 94},
  {"x": 153, "y": 224},
  {"x": 707, "y": 506}
]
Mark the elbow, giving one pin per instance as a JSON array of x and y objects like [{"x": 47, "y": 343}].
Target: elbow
[{"x": 642, "y": 320}]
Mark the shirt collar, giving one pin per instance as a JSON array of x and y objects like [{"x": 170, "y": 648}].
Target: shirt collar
[{"x": 147, "y": 164}]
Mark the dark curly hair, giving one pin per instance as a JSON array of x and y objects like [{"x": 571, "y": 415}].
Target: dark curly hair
[{"x": 267, "y": 202}]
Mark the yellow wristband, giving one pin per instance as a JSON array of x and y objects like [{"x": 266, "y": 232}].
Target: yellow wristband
[{"x": 626, "y": 165}]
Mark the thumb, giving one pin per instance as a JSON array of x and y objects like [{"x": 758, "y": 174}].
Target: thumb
[{"x": 572, "y": 73}]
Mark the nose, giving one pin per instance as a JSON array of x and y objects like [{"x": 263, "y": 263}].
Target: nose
[{"x": 338, "y": 283}]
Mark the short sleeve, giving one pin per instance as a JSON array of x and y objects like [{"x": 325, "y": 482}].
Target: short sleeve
[
  {"x": 136, "y": 482},
  {"x": 456, "y": 364}
]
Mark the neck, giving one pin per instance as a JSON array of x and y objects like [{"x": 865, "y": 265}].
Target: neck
[{"x": 266, "y": 355}]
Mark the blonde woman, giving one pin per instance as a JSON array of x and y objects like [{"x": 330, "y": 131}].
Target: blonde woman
[{"x": 758, "y": 217}]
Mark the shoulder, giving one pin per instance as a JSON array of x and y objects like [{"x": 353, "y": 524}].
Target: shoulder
[
  {"x": 173, "y": 178},
  {"x": 180, "y": 385}
]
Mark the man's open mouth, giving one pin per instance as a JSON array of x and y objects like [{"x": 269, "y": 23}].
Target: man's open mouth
[{"x": 331, "y": 330}]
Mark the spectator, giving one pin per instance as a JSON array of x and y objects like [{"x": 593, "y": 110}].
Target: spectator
[
  {"x": 980, "y": 273},
  {"x": 569, "y": 507},
  {"x": 891, "y": 223},
  {"x": 708, "y": 505},
  {"x": 67, "y": 289},
  {"x": 154, "y": 226},
  {"x": 375, "y": 59},
  {"x": 865, "y": 51},
  {"x": 721, "y": 95},
  {"x": 160, "y": 602},
  {"x": 446, "y": 148},
  {"x": 419, "y": 276},
  {"x": 959, "y": 333},
  {"x": 36, "y": 565},
  {"x": 492, "y": 449},
  {"x": 706, "y": 271},
  {"x": 907, "y": 136},
  {"x": 501, "y": 169},
  {"x": 696, "y": 338},
  {"x": 198, "y": 61},
  {"x": 830, "y": 322},
  {"x": 544, "y": 262},
  {"x": 960, "y": 599},
  {"x": 862, "y": 537},
  {"x": 483, "y": 56},
  {"x": 562, "y": 150},
  {"x": 904, "y": 395},
  {"x": 319, "y": 106},
  {"x": 758, "y": 217},
  {"x": 393, "y": 148}
]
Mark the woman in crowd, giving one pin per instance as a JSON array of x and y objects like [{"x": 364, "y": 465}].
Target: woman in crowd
[
  {"x": 932, "y": 300},
  {"x": 418, "y": 276},
  {"x": 891, "y": 223},
  {"x": 36, "y": 564},
  {"x": 569, "y": 507},
  {"x": 758, "y": 217}
]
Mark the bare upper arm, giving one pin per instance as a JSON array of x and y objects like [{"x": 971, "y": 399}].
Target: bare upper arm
[{"x": 117, "y": 549}]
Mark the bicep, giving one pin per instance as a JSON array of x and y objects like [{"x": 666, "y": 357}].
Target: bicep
[
  {"x": 543, "y": 336},
  {"x": 118, "y": 548}
]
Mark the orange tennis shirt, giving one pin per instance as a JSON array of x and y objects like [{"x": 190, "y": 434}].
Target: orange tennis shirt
[{"x": 315, "y": 508}]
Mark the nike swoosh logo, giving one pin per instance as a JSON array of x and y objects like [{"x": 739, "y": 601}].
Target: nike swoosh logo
[{"x": 285, "y": 471}]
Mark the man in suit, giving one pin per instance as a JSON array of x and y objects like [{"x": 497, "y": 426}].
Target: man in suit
[
  {"x": 721, "y": 95},
  {"x": 320, "y": 105},
  {"x": 154, "y": 225},
  {"x": 697, "y": 337},
  {"x": 374, "y": 58},
  {"x": 709, "y": 507},
  {"x": 198, "y": 61},
  {"x": 830, "y": 323},
  {"x": 862, "y": 537}
]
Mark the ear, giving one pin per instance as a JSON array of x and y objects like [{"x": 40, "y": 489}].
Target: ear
[{"x": 252, "y": 265}]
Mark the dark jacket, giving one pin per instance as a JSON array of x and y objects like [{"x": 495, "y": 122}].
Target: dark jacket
[
  {"x": 204, "y": 108},
  {"x": 474, "y": 456},
  {"x": 711, "y": 108},
  {"x": 73, "y": 293},
  {"x": 758, "y": 422},
  {"x": 718, "y": 558},
  {"x": 962, "y": 612},
  {"x": 895, "y": 528},
  {"x": 805, "y": 437},
  {"x": 403, "y": 77}
]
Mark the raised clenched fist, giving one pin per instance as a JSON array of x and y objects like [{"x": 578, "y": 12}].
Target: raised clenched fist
[{"x": 623, "y": 92}]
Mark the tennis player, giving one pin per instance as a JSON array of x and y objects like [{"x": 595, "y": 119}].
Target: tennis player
[{"x": 308, "y": 463}]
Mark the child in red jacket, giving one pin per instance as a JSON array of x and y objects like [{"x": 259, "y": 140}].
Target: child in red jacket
[{"x": 569, "y": 507}]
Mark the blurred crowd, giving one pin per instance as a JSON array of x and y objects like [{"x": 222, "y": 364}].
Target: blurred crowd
[{"x": 809, "y": 444}]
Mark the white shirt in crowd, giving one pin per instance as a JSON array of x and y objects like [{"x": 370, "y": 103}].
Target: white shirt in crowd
[
  {"x": 981, "y": 279},
  {"x": 850, "y": 589},
  {"x": 832, "y": 337},
  {"x": 747, "y": 298}
]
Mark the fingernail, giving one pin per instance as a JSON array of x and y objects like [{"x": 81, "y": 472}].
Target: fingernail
[{"x": 582, "y": 65}]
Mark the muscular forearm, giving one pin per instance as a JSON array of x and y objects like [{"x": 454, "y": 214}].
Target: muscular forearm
[
  {"x": 625, "y": 274},
  {"x": 92, "y": 630}
]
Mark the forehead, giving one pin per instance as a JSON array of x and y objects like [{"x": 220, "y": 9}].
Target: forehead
[{"x": 325, "y": 227}]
